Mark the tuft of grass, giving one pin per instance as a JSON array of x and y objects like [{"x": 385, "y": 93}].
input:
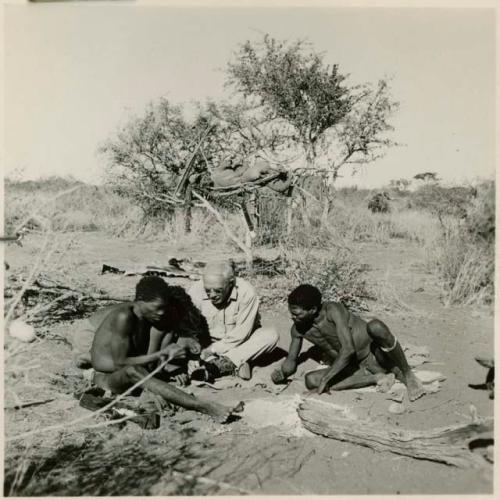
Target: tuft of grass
[
  {"x": 339, "y": 278},
  {"x": 464, "y": 252}
]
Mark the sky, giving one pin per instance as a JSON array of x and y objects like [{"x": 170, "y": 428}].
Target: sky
[{"x": 75, "y": 72}]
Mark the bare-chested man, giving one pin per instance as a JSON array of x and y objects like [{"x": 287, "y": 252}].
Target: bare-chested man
[
  {"x": 360, "y": 353},
  {"x": 121, "y": 349}
]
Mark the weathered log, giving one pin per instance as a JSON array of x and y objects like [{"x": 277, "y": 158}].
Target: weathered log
[{"x": 448, "y": 445}]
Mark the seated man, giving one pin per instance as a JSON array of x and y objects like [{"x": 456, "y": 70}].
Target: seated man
[
  {"x": 182, "y": 323},
  {"x": 360, "y": 353},
  {"x": 231, "y": 308},
  {"x": 119, "y": 352}
]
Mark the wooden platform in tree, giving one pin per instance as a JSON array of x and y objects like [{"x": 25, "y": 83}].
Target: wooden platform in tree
[{"x": 449, "y": 445}]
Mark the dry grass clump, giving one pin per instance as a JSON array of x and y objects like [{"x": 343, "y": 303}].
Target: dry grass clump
[
  {"x": 339, "y": 277},
  {"x": 464, "y": 253},
  {"x": 41, "y": 204},
  {"x": 105, "y": 462}
]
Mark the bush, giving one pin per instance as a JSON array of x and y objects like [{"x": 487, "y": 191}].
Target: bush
[
  {"x": 87, "y": 208},
  {"x": 339, "y": 278},
  {"x": 465, "y": 252},
  {"x": 379, "y": 203},
  {"x": 442, "y": 201}
]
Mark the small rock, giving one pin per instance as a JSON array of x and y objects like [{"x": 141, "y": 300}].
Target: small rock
[
  {"x": 397, "y": 408},
  {"x": 22, "y": 331}
]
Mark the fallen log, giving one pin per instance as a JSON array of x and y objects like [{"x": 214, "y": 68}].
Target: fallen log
[{"x": 448, "y": 445}]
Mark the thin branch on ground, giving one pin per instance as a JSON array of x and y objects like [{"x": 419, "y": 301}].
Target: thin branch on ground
[{"x": 92, "y": 414}]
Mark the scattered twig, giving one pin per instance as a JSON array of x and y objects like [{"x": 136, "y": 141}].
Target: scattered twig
[
  {"x": 211, "y": 482},
  {"x": 26, "y": 404},
  {"x": 432, "y": 407},
  {"x": 29, "y": 280},
  {"x": 302, "y": 462}
]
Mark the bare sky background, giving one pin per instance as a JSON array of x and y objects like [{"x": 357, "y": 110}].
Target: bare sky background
[{"x": 74, "y": 73}]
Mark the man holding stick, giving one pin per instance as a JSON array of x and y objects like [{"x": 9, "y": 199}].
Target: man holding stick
[{"x": 121, "y": 350}]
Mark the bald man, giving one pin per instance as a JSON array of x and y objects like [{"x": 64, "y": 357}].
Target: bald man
[{"x": 231, "y": 307}]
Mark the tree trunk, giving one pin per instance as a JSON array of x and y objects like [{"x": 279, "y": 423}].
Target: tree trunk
[
  {"x": 327, "y": 204},
  {"x": 249, "y": 235},
  {"x": 188, "y": 210},
  {"x": 254, "y": 211},
  {"x": 449, "y": 445},
  {"x": 289, "y": 212}
]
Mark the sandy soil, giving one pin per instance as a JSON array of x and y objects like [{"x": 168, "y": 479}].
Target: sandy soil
[{"x": 269, "y": 452}]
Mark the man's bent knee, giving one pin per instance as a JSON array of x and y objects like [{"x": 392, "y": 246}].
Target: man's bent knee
[
  {"x": 378, "y": 329},
  {"x": 270, "y": 334},
  {"x": 312, "y": 381}
]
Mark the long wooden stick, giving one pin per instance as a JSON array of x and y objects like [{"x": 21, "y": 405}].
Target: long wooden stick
[
  {"x": 247, "y": 251},
  {"x": 189, "y": 164},
  {"x": 26, "y": 404},
  {"x": 92, "y": 414}
]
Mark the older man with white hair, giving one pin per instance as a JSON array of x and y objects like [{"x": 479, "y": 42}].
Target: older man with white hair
[{"x": 231, "y": 307}]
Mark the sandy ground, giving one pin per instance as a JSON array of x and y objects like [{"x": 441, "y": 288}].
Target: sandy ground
[{"x": 269, "y": 451}]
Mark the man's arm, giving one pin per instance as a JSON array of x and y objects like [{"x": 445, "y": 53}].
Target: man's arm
[
  {"x": 289, "y": 366},
  {"x": 158, "y": 339},
  {"x": 120, "y": 341},
  {"x": 243, "y": 328},
  {"x": 338, "y": 314}
]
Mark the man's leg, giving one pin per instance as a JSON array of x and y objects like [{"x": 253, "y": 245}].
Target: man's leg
[
  {"x": 237, "y": 360},
  {"x": 123, "y": 379},
  {"x": 81, "y": 342},
  {"x": 262, "y": 340},
  {"x": 357, "y": 379},
  {"x": 390, "y": 350}
]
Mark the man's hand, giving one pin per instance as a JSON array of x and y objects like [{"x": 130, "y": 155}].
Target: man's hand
[
  {"x": 191, "y": 345},
  {"x": 323, "y": 383},
  {"x": 172, "y": 351},
  {"x": 206, "y": 354},
  {"x": 278, "y": 377},
  {"x": 182, "y": 379}
]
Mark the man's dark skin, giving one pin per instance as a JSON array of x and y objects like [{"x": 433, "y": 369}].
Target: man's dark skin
[
  {"x": 126, "y": 342},
  {"x": 353, "y": 346}
]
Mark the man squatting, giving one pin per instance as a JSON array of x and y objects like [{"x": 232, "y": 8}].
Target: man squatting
[
  {"x": 129, "y": 340},
  {"x": 360, "y": 353}
]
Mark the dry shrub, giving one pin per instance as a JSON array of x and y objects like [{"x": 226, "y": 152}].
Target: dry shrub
[
  {"x": 86, "y": 208},
  {"x": 339, "y": 278},
  {"x": 106, "y": 463},
  {"x": 442, "y": 200},
  {"x": 464, "y": 254}
]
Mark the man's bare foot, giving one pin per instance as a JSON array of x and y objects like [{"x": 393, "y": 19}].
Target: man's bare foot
[
  {"x": 414, "y": 386},
  {"x": 221, "y": 413}
]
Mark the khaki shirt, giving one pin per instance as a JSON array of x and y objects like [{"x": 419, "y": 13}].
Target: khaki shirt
[{"x": 231, "y": 326}]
